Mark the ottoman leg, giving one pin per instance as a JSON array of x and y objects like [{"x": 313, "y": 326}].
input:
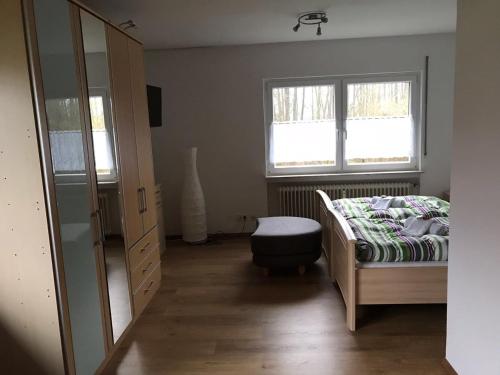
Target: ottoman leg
[{"x": 302, "y": 270}]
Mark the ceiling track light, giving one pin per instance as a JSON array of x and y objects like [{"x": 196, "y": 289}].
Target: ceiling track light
[{"x": 311, "y": 19}]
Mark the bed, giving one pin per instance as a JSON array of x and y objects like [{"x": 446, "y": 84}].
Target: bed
[{"x": 371, "y": 260}]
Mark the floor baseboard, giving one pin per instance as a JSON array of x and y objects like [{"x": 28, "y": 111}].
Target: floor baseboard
[{"x": 449, "y": 368}]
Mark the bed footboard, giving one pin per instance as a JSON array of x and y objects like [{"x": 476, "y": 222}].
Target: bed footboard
[{"x": 339, "y": 245}]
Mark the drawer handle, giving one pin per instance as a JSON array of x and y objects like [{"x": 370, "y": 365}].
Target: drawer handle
[
  {"x": 147, "y": 268},
  {"x": 148, "y": 289},
  {"x": 144, "y": 248}
]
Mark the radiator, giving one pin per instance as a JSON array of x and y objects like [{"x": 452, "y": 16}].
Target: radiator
[
  {"x": 105, "y": 212},
  {"x": 302, "y": 200}
]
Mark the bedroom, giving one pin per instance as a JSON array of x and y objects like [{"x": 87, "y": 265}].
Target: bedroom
[{"x": 379, "y": 103}]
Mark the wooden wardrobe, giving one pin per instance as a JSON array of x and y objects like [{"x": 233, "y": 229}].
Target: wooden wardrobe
[
  {"x": 80, "y": 249},
  {"x": 135, "y": 155}
]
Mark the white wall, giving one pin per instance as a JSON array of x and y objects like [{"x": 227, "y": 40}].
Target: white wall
[
  {"x": 213, "y": 99},
  {"x": 473, "y": 342}
]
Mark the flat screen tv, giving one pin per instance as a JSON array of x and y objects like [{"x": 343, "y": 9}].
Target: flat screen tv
[{"x": 154, "y": 105}]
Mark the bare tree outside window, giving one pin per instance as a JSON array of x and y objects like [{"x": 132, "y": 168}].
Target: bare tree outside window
[
  {"x": 306, "y": 103},
  {"x": 303, "y": 126},
  {"x": 376, "y": 100}
]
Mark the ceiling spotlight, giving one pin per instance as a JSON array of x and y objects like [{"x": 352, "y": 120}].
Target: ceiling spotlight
[{"x": 311, "y": 18}]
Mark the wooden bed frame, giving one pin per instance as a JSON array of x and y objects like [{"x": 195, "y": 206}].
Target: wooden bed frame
[{"x": 373, "y": 286}]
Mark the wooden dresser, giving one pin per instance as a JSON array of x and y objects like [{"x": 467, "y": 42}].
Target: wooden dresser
[{"x": 145, "y": 271}]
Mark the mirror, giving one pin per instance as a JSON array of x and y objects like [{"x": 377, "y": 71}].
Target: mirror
[
  {"x": 106, "y": 165},
  {"x": 73, "y": 190}
]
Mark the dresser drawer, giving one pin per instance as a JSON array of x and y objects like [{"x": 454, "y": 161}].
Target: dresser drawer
[
  {"x": 144, "y": 270},
  {"x": 147, "y": 290},
  {"x": 141, "y": 250}
]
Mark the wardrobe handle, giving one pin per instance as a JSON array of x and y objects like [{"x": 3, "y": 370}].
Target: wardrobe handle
[
  {"x": 140, "y": 200},
  {"x": 145, "y": 199}
]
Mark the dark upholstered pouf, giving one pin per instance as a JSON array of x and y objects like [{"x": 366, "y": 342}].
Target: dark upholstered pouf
[{"x": 286, "y": 241}]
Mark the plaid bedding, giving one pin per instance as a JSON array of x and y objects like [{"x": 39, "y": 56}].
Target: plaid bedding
[
  {"x": 411, "y": 205},
  {"x": 379, "y": 232}
]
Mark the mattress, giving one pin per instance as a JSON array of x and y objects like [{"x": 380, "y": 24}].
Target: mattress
[{"x": 400, "y": 264}]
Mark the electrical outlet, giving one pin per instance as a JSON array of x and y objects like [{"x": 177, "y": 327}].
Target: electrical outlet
[{"x": 246, "y": 217}]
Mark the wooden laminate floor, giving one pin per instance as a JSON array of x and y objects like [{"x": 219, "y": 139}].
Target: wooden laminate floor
[{"x": 215, "y": 313}]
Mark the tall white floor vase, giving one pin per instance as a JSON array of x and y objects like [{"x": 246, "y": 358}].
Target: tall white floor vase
[{"x": 194, "y": 216}]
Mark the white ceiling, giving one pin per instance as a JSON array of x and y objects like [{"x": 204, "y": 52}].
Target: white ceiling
[{"x": 196, "y": 23}]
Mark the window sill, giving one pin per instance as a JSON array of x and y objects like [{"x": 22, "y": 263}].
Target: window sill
[
  {"x": 346, "y": 176},
  {"x": 109, "y": 184}
]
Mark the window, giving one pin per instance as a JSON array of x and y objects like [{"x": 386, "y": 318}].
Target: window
[
  {"x": 102, "y": 135},
  {"x": 342, "y": 125},
  {"x": 65, "y": 136}
]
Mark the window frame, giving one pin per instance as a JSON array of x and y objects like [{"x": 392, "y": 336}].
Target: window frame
[
  {"x": 340, "y": 83},
  {"x": 268, "y": 108}
]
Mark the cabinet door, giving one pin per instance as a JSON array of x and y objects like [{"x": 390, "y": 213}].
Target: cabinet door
[
  {"x": 142, "y": 133},
  {"x": 125, "y": 134},
  {"x": 70, "y": 181}
]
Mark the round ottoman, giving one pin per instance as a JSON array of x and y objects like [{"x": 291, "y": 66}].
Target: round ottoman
[{"x": 286, "y": 241}]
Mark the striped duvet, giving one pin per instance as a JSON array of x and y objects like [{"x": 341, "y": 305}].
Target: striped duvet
[{"x": 379, "y": 232}]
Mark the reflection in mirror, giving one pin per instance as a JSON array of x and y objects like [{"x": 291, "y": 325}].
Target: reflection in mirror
[
  {"x": 73, "y": 191},
  {"x": 94, "y": 43}
]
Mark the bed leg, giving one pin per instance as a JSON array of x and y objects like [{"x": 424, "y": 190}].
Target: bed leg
[
  {"x": 331, "y": 251},
  {"x": 351, "y": 317},
  {"x": 351, "y": 287}
]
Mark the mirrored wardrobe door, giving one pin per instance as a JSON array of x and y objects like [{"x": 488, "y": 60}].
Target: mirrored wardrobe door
[
  {"x": 72, "y": 179},
  {"x": 106, "y": 166}
]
